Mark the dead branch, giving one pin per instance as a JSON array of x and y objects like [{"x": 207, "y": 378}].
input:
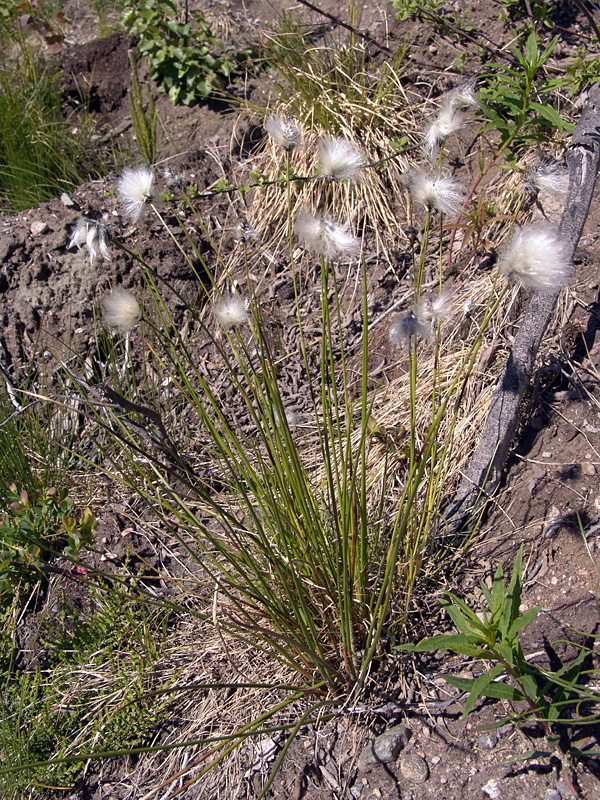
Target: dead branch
[{"x": 485, "y": 468}]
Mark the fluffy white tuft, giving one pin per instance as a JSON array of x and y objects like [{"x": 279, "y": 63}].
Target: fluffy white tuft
[
  {"x": 283, "y": 133},
  {"x": 439, "y": 192},
  {"x": 322, "y": 236},
  {"x": 121, "y": 311},
  {"x": 135, "y": 190},
  {"x": 340, "y": 160},
  {"x": 230, "y": 310},
  {"x": 449, "y": 120},
  {"x": 535, "y": 257},
  {"x": 547, "y": 176}
]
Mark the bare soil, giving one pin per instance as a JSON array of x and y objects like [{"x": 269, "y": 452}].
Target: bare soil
[{"x": 551, "y": 489}]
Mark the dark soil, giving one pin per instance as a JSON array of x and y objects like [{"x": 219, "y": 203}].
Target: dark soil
[{"x": 550, "y": 500}]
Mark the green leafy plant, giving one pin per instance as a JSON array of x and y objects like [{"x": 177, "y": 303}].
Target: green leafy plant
[
  {"x": 94, "y": 686},
  {"x": 538, "y": 10},
  {"x": 184, "y": 58},
  {"x": 31, "y": 529},
  {"x": 516, "y": 101},
  {"x": 551, "y": 698}
]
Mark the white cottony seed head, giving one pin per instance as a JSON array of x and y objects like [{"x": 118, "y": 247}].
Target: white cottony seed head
[
  {"x": 435, "y": 192},
  {"x": 535, "y": 257},
  {"x": 322, "y": 236},
  {"x": 244, "y": 233},
  {"x": 121, "y": 311},
  {"x": 283, "y": 133},
  {"x": 135, "y": 190},
  {"x": 340, "y": 160},
  {"x": 230, "y": 310},
  {"x": 547, "y": 176}
]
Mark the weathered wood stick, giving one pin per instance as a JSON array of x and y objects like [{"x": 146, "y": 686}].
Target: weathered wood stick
[{"x": 485, "y": 468}]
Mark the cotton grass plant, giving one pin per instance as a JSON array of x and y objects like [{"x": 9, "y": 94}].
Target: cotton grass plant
[{"x": 301, "y": 536}]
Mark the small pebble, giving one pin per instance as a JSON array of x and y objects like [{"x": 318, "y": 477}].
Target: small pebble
[
  {"x": 66, "y": 200},
  {"x": 436, "y": 760},
  {"x": 414, "y": 768},
  {"x": 488, "y": 740},
  {"x": 552, "y": 794},
  {"x": 38, "y": 227},
  {"x": 492, "y": 789}
]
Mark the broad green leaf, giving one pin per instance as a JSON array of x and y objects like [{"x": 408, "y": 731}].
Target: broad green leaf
[
  {"x": 479, "y": 687},
  {"x": 513, "y": 595},
  {"x": 498, "y": 591},
  {"x": 468, "y": 612},
  {"x": 455, "y": 642},
  {"x": 531, "y": 49},
  {"x": 548, "y": 113},
  {"x": 521, "y": 622}
]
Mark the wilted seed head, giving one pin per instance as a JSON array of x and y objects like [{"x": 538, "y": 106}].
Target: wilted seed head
[
  {"x": 464, "y": 96},
  {"x": 448, "y": 121},
  {"x": 94, "y": 235},
  {"x": 468, "y": 307},
  {"x": 135, "y": 190},
  {"x": 121, "y": 311},
  {"x": 450, "y": 117},
  {"x": 230, "y": 310},
  {"x": 535, "y": 257},
  {"x": 340, "y": 160},
  {"x": 402, "y": 331},
  {"x": 244, "y": 233},
  {"x": 322, "y": 236},
  {"x": 173, "y": 178},
  {"x": 548, "y": 176},
  {"x": 283, "y": 133},
  {"x": 434, "y": 309},
  {"x": 442, "y": 193}
]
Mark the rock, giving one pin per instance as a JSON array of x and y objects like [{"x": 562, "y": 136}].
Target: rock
[
  {"x": 492, "y": 789},
  {"x": 552, "y": 794},
  {"x": 38, "y": 227},
  {"x": 414, "y": 768},
  {"x": 488, "y": 741},
  {"x": 66, "y": 200},
  {"x": 384, "y": 748},
  {"x": 387, "y": 746}
]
